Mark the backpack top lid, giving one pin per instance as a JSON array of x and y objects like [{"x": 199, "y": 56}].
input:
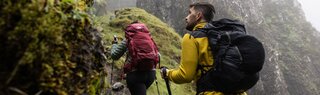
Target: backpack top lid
[
  {"x": 225, "y": 25},
  {"x": 216, "y": 32},
  {"x": 137, "y": 27}
]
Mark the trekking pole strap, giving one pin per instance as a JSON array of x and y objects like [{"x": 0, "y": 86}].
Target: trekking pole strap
[
  {"x": 157, "y": 84},
  {"x": 166, "y": 79}
]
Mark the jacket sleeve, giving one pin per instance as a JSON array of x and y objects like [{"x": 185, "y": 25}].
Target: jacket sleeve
[
  {"x": 117, "y": 50},
  {"x": 188, "y": 63}
]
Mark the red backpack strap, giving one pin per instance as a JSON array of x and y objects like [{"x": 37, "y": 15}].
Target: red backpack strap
[{"x": 157, "y": 51}]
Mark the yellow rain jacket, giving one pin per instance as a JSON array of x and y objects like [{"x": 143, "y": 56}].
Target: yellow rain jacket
[{"x": 195, "y": 50}]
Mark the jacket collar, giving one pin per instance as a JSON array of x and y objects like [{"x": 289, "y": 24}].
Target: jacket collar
[{"x": 199, "y": 25}]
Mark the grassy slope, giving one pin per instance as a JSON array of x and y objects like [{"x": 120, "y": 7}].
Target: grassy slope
[{"x": 165, "y": 37}]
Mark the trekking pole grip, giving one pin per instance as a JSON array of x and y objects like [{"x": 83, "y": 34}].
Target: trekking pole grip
[
  {"x": 166, "y": 79},
  {"x": 168, "y": 85}
]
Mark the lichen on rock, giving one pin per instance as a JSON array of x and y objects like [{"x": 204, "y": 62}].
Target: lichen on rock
[{"x": 49, "y": 47}]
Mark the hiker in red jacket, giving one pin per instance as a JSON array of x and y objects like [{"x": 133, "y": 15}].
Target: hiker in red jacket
[{"x": 141, "y": 60}]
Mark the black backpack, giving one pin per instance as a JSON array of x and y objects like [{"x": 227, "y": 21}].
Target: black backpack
[{"x": 238, "y": 58}]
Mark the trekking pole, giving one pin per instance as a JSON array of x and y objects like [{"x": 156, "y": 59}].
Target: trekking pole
[
  {"x": 166, "y": 80},
  {"x": 111, "y": 72},
  {"x": 157, "y": 85},
  {"x": 156, "y": 75},
  {"x": 168, "y": 85}
]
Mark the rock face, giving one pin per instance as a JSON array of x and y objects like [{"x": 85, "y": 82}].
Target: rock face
[
  {"x": 173, "y": 12},
  {"x": 104, "y": 6},
  {"x": 291, "y": 43}
]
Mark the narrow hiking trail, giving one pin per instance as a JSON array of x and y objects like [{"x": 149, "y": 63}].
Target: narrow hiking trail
[{"x": 115, "y": 73}]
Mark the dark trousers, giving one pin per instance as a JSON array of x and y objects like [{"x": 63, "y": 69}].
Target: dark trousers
[{"x": 139, "y": 81}]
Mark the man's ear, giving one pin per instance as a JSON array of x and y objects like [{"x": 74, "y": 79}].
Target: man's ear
[{"x": 199, "y": 16}]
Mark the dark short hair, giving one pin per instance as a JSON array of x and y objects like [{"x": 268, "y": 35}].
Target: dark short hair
[
  {"x": 205, "y": 8},
  {"x": 136, "y": 21}
]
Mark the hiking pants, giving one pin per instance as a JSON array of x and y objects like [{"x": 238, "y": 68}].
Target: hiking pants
[{"x": 139, "y": 81}]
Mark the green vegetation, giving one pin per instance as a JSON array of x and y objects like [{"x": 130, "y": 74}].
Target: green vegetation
[
  {"x": 165, "y": 37},
  {"x": 53, "y": 47},
  {"x": 49, "y": 47}
]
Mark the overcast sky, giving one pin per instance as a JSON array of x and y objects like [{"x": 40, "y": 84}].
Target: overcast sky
[{"x": 312, "y": 11}]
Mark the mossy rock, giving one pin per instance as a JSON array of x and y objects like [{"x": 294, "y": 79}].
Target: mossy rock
[{"x": 49, "y": 47}]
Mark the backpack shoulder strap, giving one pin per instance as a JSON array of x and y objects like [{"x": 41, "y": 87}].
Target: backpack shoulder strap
[
  {"x": 214, "y": 40},
  {"x": 199, "y": 33}
]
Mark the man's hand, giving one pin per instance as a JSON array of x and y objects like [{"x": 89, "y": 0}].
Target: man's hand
[
  {"x": 164, "y": 71},
  {"x": 115, "y": 39},
  {"x": 114, "y": 42}
]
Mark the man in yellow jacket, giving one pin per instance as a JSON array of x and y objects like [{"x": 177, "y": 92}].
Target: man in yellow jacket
[{"x": 195, "y": 48}]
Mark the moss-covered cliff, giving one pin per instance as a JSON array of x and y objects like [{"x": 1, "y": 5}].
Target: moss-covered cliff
[{"x": 49, "y": 47}]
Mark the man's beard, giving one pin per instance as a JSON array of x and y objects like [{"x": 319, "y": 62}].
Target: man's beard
[{"x": 190, "y": 26}]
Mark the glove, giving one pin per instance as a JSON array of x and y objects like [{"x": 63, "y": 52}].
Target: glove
[
  {"x": 115, "y": 40},
  {"x": 164, "y": 72}
]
